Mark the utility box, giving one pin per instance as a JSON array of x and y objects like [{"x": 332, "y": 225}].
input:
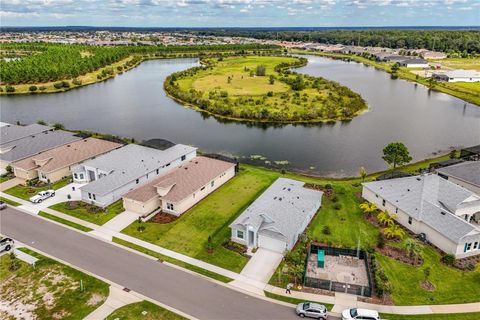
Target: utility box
[{"x": 321, "y": 259}]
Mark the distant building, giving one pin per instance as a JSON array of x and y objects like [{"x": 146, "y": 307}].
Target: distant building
[
  {"x": 433, "y": 55},
  {"x": 414, "y": 63},
  {"x": 458, "y": 76}
]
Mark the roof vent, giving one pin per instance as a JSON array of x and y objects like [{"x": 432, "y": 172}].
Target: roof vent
[
  {"x": 408, "y": 190},
  {"x": 68, "y": 146},
  {"x": 419, "y": 179},
  {"x": 280, "y": 199},
  {"x": 289, "y": 189},
  {"x": 443, "y": 213},
  {"x": 274, "y": 198}
]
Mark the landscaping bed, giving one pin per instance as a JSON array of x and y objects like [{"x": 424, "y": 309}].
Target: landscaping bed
[
  {"x": 163, "y": 218},
  {"x": 401, "y": 255},
  {"x": 49, "y": 291},
  {"x": 89, "y": 212}
]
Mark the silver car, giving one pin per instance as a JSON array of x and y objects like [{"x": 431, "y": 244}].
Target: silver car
[
  {"x": 6, "y": 244},
  {"x": 311, "y": 310},
  {"x": 3, "y": 205}
]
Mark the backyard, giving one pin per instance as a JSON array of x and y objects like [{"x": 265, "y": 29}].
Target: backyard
[
  {"x": 49, "y": 291},
  {"x": 88, "y": 212}
]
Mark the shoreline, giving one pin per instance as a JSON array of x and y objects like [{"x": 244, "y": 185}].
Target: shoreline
[{"x": 401, "y": 74}]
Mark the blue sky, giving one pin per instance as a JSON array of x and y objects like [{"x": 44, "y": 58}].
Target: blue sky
[{"x": 240, "y": 13}]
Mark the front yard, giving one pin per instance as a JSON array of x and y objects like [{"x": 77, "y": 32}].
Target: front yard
[
  {"x": 143, "y": 310},
  {"x": 88, "y": 212},
  {"x": 49, "y": 291},
  {"x": 26, "y": 192}
]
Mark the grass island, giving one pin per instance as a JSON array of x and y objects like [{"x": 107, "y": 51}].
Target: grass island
[{"x": 262, "y": 88}]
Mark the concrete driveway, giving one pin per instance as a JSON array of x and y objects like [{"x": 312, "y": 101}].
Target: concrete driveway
[{"x": 262, "y": 265}]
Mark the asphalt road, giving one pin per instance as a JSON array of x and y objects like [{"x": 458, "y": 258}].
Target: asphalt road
[{"x": 188, "y": 293}]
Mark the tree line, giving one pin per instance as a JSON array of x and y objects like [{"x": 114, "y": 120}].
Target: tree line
[
  {"x": 449, "y": 41},
  {"x": 40, "y": 62}
]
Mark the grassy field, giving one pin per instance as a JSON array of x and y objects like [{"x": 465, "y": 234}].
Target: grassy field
[
  {"x": 63, "y": 221},
  {"x": 10, "y": 202},
  {"x": 179, "y": 263},
  {"x": 460, "y": 63},
  {"x": 25, "y": 192},
  {"x": 83, "y": 213},
  {"x": 465, "y": 91},
  {"x": 49, "y": 291},
  {"x": 231, "y": 89},
  {"x": 135, "y": 311}
]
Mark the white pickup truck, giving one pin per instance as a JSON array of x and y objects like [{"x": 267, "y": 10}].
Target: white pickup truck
[
  {"x": 42, "y": 195},
  {"x": 6, "y": 244}
]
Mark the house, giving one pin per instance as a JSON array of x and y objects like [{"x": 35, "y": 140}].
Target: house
[
  {"x": 18, "y": 148},
  {"x": 275, "y": 220},
  {"x": 465, "y": 174},
  {"x": 471, "y": 153},
  {"x": 181, "y": 188},
  {"x": 433, "y": 55},
  {"x": 458, "y": 76},
  {"x": 55, "y": 164},
  {"x": 11, "y": 132},
  {"x": 112, "y": 175},
  {"x": 414, "y": 63},
  {"x": 445, "y": 212}
]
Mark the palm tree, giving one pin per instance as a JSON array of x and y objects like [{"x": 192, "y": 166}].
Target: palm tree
[
  {"x": 363, "y": 173},
  {"x": 413, "y": 248},
  {"x": 368, "y": 208},
  {"x": 394, "y": 231},
  {"x": 386, "y": 218}
]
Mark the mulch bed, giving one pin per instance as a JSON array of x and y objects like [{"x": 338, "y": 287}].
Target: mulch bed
[
  {"x": 163, "y": 218},
  {"x": 400, "y": 255},
  {"x": 467, "y": 264},
  {"x": 326, "y": 192},
  {"x": 427, "y": 285}
]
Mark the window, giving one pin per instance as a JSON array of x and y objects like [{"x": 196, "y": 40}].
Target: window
[
  {"x": 167, "y": 164},
  {"x": 396, "y": 210},
  {"x": 376, "y": 195},
  {"x": 89, "y": 195},
  {"x": 240, "y": 234},
  {"x": 75, "y": 176},
  {"x": 183, "y": 158},
  {"x": 202, "y": 188},
  {"x": 81, "y": 176},
  {"x": 137, "y": 181},
  {"x": 475, "y": 245},
  {"x": 383, "y": 202},
  {"x": 170, "y": 206},
  {"x": 158, "y": 170},
  {"x": 194, "y": 196},
  {"x": 94, "y": 198},
  {"x": 468, "y": 247},
  {"x": 212, "y": 183},
  {"x": 409, "y": 220}
]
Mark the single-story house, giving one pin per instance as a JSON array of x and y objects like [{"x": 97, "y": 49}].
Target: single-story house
[
  {"x": 465, "y": 174},
  {"x": 433, "y": 55},
  {"x": 277, "y": 218},
  {"x": 12, "y": 132},
  {"x": 458, "y": 76},
  {"x": 470, "y": 153},
  {"x": 112, "y": 175},
  {"x": 181, "y": 188},
  {"x": 414, "y": 63},
  {"x": 55, "y": 164},
  {"x": 446, "y": 213},
  {"x": 25, "y": 147}
]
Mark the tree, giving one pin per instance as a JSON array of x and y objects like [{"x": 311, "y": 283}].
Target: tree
[
  {"x": 58, "y": 126},
  {"x": 386, "y": 218},
  {"x": 260, "y": 71},
  {"x": 394, "y": 231},
  {"x": 395, "y": 68},
  {"x": 453, "y": 154},
  {"x": 396, "y": 154},
  {"x": 43, "y": 123},
  {"x": 9, "y": 169},
  {"x": 363, "y": 173},
  {"x": 368, "y": 208},
  {"x": 271, "y": 79},
  {"x": 412, "y": 247}
]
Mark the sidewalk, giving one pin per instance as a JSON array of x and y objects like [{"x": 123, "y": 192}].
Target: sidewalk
[
  {"x": 117, "y": 298},
  {"x": 248, "y": 285}
]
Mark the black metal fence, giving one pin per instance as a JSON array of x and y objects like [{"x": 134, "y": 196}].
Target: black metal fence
[{"x": 335, "y": 286}]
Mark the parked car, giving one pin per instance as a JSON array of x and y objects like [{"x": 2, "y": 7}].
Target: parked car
[
  {"x": 311, "y": 310},
  {"x": 42, "y": 195},
  {"x": 3, "y": 205},
  {"x": 6, "y": 244},
  {"x": 364, "y": 314}
]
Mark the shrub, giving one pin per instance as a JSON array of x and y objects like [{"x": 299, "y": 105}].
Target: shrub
[
  {"x": 141, "y": 228},
  {"x": 77, "y": 82},
  {"x": 33, "y": 88},
  {"x": 9, "y": 169},
  {"x": 334, "y": 199},
  {"x": 10, "y": 89},
  {"x": 326, "y": 230},
  {"x": 42, "y": 88},
  {"x": 58, "y": 85},
  {"x": 448, "y": 259},
  {"x": 260, "y": 71},
  {"x": 65, "y": 84},
  {"x": 328, "y": 186},
  {"x": 270, "y": 94},
  {"x": 380, "y": 241}
]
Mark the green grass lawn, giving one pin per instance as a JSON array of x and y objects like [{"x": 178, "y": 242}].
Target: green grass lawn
[
  {"x": 211, "y": 217},
  {"x": 292, "y": 300},
  {"x": 25, "y": 193},
  {"x": 460, "y": 63},
  {"x": 6, "y": 177},
  {"x": 51, "y": 289},
  {"x": 452, "y": 285},
  {"x": 65, "y": 222},
  {"x": 135, "y": 311},
  {"x": 454, "y": 316},
  {"x": 179, "y": 263},
  {"x": 82, "y": 212},
  {"x": 10, "y": 202}
]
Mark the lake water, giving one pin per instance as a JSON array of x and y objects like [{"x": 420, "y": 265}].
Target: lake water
[{"x": 135, "y": 105}]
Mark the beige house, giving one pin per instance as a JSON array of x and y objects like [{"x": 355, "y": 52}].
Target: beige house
[
  {"x": 181, "y": 188},
  {"x": 55, "y": 164},
  {"x": 446, "y": 213}
]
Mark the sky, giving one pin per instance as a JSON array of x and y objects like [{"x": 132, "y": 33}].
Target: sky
[{"x": 240, "y": 13}]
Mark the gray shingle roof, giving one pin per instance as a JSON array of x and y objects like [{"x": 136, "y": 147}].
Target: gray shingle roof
[
  {"x": 467, "y": 171},
  {"x": 130, "y": 163},
  {"x": 34, "y": 144},
  {"x": 13, "y": 132},
  {"x": 425, "y": 197},
  {"x": 283, "y": 207}
]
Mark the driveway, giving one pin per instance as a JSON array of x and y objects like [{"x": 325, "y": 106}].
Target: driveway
[
  {"x": 10, "y": 183},
  {"x": 262, "y": 265}
]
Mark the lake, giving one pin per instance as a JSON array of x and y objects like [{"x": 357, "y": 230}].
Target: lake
[{"x": 135, "y": 105}]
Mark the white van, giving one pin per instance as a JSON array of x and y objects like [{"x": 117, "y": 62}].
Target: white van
[{"x": 360, "y": 314}]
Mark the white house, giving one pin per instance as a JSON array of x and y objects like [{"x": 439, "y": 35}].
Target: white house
[
  {"x": 458, "y": 76},
  {"x": 181, "y": 188},
  {"x": 445, "y": 212},
  {"x": 414, "y": 63},
  {"x": 466, "y": 174},
  {"x": 275, "y": 220},
  {"x": 112, "y": 175}
]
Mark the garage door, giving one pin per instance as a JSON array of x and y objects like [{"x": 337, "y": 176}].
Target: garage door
[{"x": 271, "y": 243}]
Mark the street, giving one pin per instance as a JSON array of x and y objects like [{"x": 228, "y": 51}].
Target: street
[{"x": 191, "y": 294}]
